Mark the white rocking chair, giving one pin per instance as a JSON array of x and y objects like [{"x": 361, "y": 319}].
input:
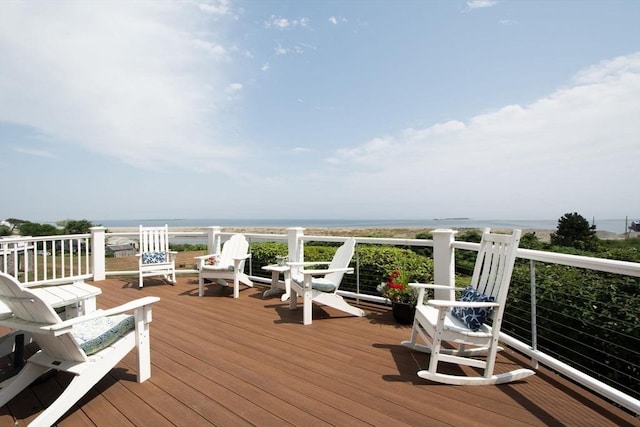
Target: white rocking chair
[
  {"x": 155, "y": 258},
  {"x": 461, "y": 322},
  {"x": 87, "y": 346},
  {"x": 227, "y": 265},
  {"x": 321, "y": 290}
]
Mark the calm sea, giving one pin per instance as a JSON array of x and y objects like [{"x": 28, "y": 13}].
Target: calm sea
[{"x": 613, "y": 225}]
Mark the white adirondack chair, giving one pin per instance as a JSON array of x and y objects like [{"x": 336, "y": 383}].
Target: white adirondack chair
[
  {"x": 227, "y": 265},
  {"x": 438, "y": 321},
  {"x": 321, "y": 290},
  {"x": 87, "y": 346},
  {"x": 155, "y": 258}
]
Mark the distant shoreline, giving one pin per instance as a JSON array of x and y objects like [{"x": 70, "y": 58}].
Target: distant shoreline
[
  {"x": 384, "y": 232},
  {"x": 609, "y": 225}
]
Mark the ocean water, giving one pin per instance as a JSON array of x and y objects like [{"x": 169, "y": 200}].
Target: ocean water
[{"x": 612, "y": 225}]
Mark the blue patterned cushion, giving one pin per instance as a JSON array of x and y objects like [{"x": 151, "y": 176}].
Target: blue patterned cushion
[
  {"x": 100, "y": 333},
  {"x": 474, "y": 318},
  {"x": 153, "y": 257}
]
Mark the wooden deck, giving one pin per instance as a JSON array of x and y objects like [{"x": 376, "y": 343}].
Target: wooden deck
[{"x": 250, "y": 361}]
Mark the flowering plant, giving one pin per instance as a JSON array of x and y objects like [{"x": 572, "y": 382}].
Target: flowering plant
[
  {"x": 397, "y": 288},
  {"x": 212, "y": 260}
]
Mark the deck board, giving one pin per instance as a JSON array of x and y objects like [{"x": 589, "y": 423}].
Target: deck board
[{"x": 250, "y": 361}]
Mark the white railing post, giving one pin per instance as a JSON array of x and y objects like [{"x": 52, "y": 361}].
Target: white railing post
[
  {"x": 295, "y": 244},
  {"x": 443, "y": 262},
  {"x": 213, "y": 240},
  {"x": 98, "y": 253}
]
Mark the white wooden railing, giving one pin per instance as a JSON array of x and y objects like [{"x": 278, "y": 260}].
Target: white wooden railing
[{"x": 65, "y": 258}]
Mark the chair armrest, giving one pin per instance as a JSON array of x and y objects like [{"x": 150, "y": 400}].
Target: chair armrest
[
  {"x": 206, "y": 256},
  {"x": 433, "y": 286},
  {"x": 422, "y": 287},
  {"x": 65, "y": 326},
  {"x": 347, "y": 270},
  {"x": 129, "y": 306},
  {"x": 307, "y": 263},
  {"x": 240, "y": 258},
  {"x": 438, "y": 303}
]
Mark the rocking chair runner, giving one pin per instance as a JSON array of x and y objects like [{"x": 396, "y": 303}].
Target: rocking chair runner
[
  {"x": 462, "y": 322},
  {"x": 87, "y": 346},
  {"x": 321, "y": 290},
  {"x": 155, "y": 258}
]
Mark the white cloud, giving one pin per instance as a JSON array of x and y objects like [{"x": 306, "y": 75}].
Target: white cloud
[
  {"x": 281, "y": 23},
  {"x": 335, "y": 20},
  {"x": 265, "y": 67},
  {"x": 296, "y": 48},
  {"x": 279, "y": 50},
  {"x": 127, "y": 80},
  {"x": 575, "y": 144},
  {"x": 36, "y": 153},
  {"x": 234, "y": 87},
  {"x": 216, "y": 7},
  {"x": 214, "y": 49},
  {"x": 480, "y": 4}
]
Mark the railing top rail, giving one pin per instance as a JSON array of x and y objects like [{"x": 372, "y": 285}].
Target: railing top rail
[
  {"x": 599, "y": 264},
  {"x": 24, "y": 239},
  {"x": 371, "y": 240}
]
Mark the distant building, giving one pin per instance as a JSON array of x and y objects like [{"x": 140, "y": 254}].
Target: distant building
[{"x": 118, "y": 251}]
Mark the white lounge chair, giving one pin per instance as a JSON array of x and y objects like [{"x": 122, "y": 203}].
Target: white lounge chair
[
  {"x": 155, "y": 258},
  {"x": 321, "y": 285},
  {"x": 227, "y": 265},
  {"x": 462, "y": 322},
  {"x": 87, "y": 346}
]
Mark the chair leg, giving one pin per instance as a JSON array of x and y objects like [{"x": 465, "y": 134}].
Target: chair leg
[
  {"x": 236, "y": 286},
  {"x": 143, "y": 343},
  {"x": 307, "y": 307},
  {"x": 200, "y": 285}
]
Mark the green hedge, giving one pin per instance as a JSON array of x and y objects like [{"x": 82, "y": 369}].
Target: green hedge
[{"x": 374, "y": 262}]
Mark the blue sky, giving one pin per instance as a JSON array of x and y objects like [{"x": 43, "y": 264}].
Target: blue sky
[{"x": 319, "y": 109}]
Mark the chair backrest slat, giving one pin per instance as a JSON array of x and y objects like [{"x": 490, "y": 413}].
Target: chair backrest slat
[
  {"x": 494, "y": 266},
  {"x": 154, "y": 239},
  {"x": 235, "y": 247},
  {"x": 341, "y": 259}
]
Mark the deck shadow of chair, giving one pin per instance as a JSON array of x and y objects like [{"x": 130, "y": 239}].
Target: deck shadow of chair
[
  {"x": 461, "y": 323},
  {"x": 154, "y": 256},
  {"x": 321, "y": 285},
  {"x": 88, "y": 346},
  {"x": 227, "y": 265}
]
